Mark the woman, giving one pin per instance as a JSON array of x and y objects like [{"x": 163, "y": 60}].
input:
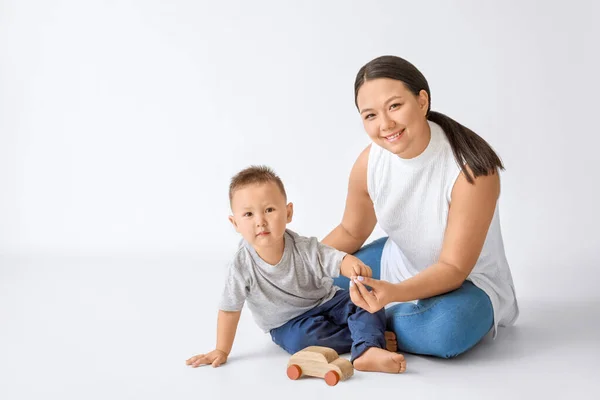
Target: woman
[{"x": 432, "y": 185}]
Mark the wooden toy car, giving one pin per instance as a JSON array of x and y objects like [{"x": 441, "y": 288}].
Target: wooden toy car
[{"x": 321, "y": 362}]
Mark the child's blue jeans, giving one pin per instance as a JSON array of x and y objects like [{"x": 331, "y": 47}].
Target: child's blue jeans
[
  {"x": 442, "y": 326},
  {"x": 338, "y": 324}
]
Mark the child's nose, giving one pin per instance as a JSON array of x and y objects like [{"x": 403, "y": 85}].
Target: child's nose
[{"x": 261, "y": 221}]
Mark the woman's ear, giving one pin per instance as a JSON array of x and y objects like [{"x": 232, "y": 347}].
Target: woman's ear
[{"x": 423, "y": 100}]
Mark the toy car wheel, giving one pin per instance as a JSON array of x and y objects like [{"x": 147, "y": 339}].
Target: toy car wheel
[
  {"x": 294, "y": 372},
  {"x": 332, "y": 378}
]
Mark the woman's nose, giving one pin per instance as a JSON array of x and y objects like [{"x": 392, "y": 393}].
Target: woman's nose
[{"x": 387, "y": 123}]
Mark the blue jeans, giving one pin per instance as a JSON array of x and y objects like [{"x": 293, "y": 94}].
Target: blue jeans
[
  {"x": 443, "y": 326},
  {"x": 338, "y": 324}
]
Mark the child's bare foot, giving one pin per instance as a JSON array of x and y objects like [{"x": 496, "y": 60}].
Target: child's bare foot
[
  {"x": 380, "y": 360},
  {"x": 390, "y": 341}
]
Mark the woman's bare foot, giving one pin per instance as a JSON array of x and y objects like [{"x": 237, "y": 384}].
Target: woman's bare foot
[
  {"x": 390, "y": 341},
  {"x": 380, "y": 360}
]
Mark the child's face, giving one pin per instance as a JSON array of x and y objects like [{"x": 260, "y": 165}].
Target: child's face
[{"x": 260, "y": 214}]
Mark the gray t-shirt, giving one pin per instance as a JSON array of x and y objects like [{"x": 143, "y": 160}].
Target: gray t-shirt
[{"x": 302, "y": 280}]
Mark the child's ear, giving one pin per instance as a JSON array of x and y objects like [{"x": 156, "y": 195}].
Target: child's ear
[
  {"x": 232, "y": 220},
  {"x": 290, "y": 212}
]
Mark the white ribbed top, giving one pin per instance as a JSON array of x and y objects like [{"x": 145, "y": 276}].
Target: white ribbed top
[{"x": 411, "y": 198}]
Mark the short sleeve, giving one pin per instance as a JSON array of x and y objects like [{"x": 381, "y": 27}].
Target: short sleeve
[
  {"x": 235, "y": 290},
  {"x": 330, "y": 259}
]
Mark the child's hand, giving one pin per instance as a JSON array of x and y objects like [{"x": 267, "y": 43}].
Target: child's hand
[
  {"x": 215, "y": 358},
  {"x": 352, "y": 266}
]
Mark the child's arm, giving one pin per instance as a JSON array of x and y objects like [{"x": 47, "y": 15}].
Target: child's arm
[
  {"x": 352, "y": 266},
  {"x": 227, "y": 323}
]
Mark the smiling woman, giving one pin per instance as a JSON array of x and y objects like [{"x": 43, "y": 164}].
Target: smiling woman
[
  {"x": 395, "y": 99},
  {"x": 432, "y": 185}
]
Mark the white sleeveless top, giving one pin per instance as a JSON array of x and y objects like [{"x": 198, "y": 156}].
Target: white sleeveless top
[{"x": 411, "y": 198}]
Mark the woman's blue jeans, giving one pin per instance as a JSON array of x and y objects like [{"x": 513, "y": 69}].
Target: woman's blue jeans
[{"x": 443, "y": 326}]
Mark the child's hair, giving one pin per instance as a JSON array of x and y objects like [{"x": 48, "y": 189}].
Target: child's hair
[{"x": 252, "y": 175}]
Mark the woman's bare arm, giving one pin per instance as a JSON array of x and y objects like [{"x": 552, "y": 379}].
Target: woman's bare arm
[
  {"x": 469, "y": 219},
  {"x": 359, "y": 218}
]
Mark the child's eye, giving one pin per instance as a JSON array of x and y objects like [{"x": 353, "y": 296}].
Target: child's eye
[
  {"x": 248, "y": 214},
  {"x": 270, "y": 209}
]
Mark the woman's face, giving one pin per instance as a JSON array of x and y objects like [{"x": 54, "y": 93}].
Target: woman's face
[{"x": 394, "y": 117}]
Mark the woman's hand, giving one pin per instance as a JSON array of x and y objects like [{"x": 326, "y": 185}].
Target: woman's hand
[{"x": 373, "y": 300}]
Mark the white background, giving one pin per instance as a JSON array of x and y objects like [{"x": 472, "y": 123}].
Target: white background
[{"x": 121, "y": 123}]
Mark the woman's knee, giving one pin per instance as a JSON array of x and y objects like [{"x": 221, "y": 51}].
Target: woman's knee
[
  {"x": 441, "y": 327},
  {"x": 448, "y": 342},
  {"x": 452, "y": 343}
]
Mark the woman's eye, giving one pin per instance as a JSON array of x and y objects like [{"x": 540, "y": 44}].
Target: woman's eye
[
  {"x": 395, "y": 105},
  {"x": 369, "y": 116}
]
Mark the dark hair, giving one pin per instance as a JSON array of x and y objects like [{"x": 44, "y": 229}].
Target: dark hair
[
  {"x": 254, "y": 174},
  {"x": 467, "y": 146}
]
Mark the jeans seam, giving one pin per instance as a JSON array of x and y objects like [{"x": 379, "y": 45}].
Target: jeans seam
[{"x": 420, "y": 311}]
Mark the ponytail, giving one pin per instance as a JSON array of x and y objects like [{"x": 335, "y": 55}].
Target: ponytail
[{"x": 468, "y": 147}]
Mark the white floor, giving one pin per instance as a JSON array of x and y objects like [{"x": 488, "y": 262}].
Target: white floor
[{"x": 121, "y": 328}]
